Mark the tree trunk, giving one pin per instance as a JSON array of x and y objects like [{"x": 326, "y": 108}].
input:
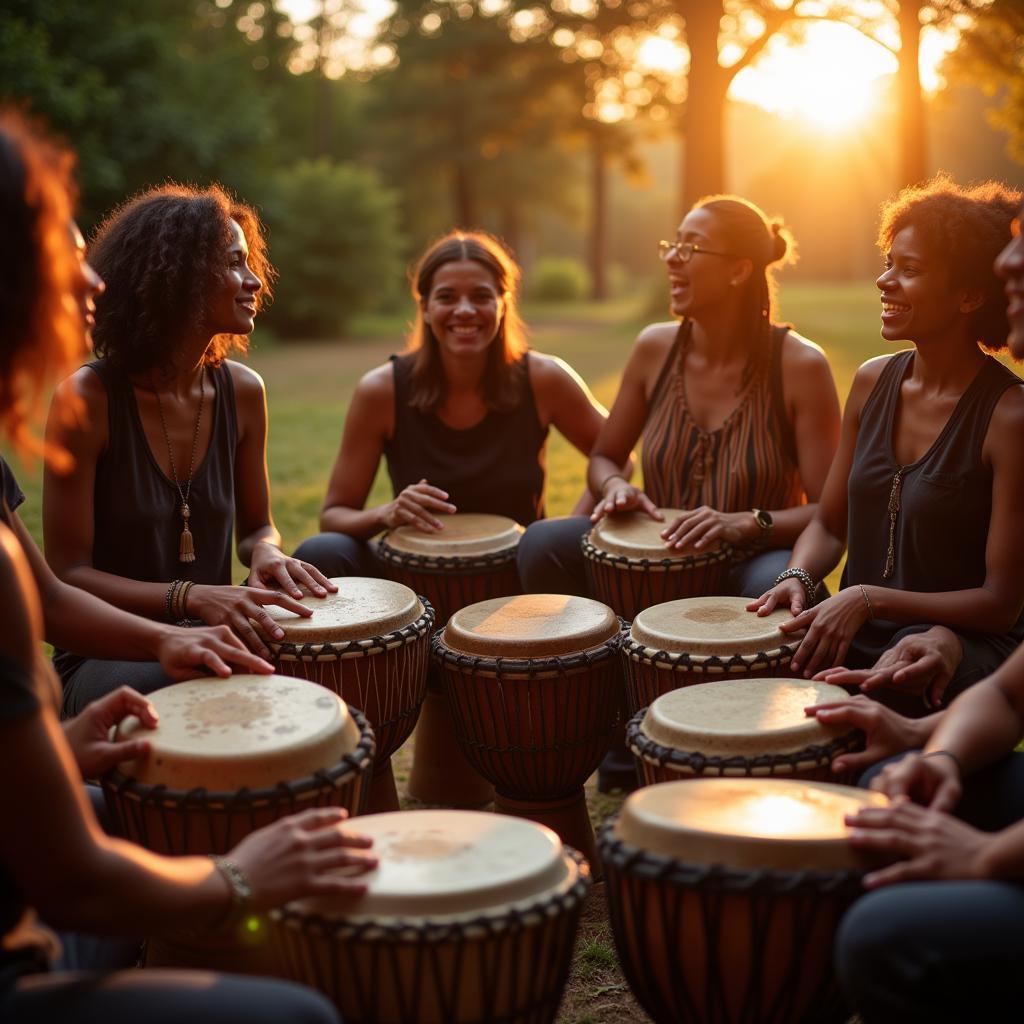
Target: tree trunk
[
  {"x": 463, "y": 204},
  {"x": 704, "y": 115},
  {"x": 913, "y": 143},
  {"x": 598, "y": 214}
]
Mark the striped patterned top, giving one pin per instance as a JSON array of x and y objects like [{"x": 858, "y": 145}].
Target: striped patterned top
[{"x": 748, "y": 462}]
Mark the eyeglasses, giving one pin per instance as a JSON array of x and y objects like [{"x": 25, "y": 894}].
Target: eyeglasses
[{"x": 684, "y": 251}]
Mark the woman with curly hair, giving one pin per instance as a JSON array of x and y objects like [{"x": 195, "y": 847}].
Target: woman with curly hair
[
  {"x": 461, "y": 418},
  {"x": 925, "y": 491},
  {"x": 56, "y": 859},
  {"x": 738, "y": 416},
  {"x": 168, "y": 437}
]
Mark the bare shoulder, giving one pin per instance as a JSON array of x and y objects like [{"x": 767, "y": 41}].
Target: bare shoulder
[
  {"x": 552, "y": 372},
  {"x": 248, "y": 383},
  {"x": 652, "y": 346},
  {"x": 1008, "y": 415},
  {"x": 377, "y": 384},
  {"x": 78, "y": 412},
  {"x": 800, "y": 354},
  {"x": 17, "y": 601},
  {"x": 82, "y": 386}
]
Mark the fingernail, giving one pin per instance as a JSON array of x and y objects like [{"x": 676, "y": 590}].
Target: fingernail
[{"x": 278, "y": 632}]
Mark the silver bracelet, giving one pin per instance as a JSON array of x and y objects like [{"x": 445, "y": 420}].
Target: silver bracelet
[
  {"x": 241, "y": 893},
  {"x": 807, "y": 581}
]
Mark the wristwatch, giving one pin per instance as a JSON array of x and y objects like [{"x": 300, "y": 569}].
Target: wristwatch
[{"x": 764, "y": 521}]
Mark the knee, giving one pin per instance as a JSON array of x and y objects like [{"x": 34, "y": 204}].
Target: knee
[
  {"x": 758, "y": 574},
  {"x": 336, "y": 554},
  {"x": 872, "y": 947}
]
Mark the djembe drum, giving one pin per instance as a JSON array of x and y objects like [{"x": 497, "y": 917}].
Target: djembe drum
[
  {"x": 535, "y": 688},
  {"x": 470, "y": 919},
  {"x": 228, "y": 757},
  {"x": 629, "y": 567},
  {"x": 472, "y": 559},
  {"x": 724, "y": 896},
  {"x": 699, "y": 639},
  {"x": 740, "y": 727},
  {"x": 368, "y": 643}
]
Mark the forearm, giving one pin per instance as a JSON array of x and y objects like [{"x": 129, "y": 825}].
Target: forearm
[
  {"x": 264, "y": 534},
  {"x": 601, "y": 469},
  {"x": 976, "y": 611},
  {"x": 817, "y": 550},
  {"x": 787, "y": 525},
  {"x": 1003, "y": 856},
  {"x": 361, "y": 523},
  {"x": 148, "y": 599}
]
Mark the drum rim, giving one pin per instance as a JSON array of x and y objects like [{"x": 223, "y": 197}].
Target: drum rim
[
  {"x": 503, "y": 668},
  {"x": 365, "y": 647},
  {"x": 398, "y": 930},
  {"x": 667, "y": 563},
  {"x": 682, "y": 661},
  {"x": 444, "y": 563},
  {"x": 814, "y": 755},
  {"x": 357, "y": 759},
  {"x": 618, "y": 855}
]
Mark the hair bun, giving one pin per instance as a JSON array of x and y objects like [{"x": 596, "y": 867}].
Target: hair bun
[{"x": 780, "y": 240}]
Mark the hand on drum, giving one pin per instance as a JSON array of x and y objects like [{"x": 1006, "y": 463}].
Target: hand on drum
[
  {"x": 698, "y": 527},
  {"x": 191, "y": 653},
  {"x": 831, "y": 627},
  {"x": 621, "y": 496},
  {"x": 418, "y": 505},
  {"x": 919, "y": 663},
  {"x": 271, "y": 567},
  {"x": 235, "y": 606},
  {"x": 932, "y": 780},
  {"x": 306, "y": 854},
  {"x": 789, "y": 593},
  {"x": 886, "y": 733},
  {"x": 88, "y": 734},
  {"x": 930, "y": 844}
]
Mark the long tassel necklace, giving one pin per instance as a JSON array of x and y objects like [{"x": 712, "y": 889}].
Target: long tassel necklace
[
  {"x": 894, "y": 514},
  {"x": 186, "y": 548}
]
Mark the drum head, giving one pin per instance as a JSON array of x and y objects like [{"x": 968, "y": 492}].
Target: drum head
[
  {"x": 776, "y": 824},
  {"x": 362, "y": 607},
  {"x": 530, "y": 626},
  {"x": 719, "y": 626},
  {"x": 742, "y": 717},
  {"x": 636, "y": 535},
  {"x": 245, "y": 731},
  {"x": 440, "y": 864},
  {"x": 465, "y": 534}
]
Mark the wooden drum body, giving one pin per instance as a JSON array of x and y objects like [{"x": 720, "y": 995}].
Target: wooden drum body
[
  {"x": 470, "y": 918},
  {"x": 740, "y": 727},
  {"x": 725, "y": 895},
  {"x": 629, "y": 568},
  {"x": 535, "y": 687},
  {"x": 368, "y": 643},
  {"x": 697, "y": 640},
  {"x": 472, "y": 559}
]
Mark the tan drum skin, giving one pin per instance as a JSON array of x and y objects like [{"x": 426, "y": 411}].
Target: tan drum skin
[
  {"x": 630, "y": 568},
  {"x": 740, "y": 727},
  {"x": 472, "y": 559},
  {"x": 699, "y": 639},
  {"x": 725, "y": 894},
  {"x": 470, "y": 918},
  {"x": 535, "y": 688},
  {"x": 368, "y": 643}
]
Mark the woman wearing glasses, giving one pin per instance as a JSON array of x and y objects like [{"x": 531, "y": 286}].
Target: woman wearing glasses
[{"x": 738, "y": 416}]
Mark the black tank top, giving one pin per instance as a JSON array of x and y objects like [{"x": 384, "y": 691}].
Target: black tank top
[
  {"x": 945, "y": 499},
  {"x": 495, "y": 466}
]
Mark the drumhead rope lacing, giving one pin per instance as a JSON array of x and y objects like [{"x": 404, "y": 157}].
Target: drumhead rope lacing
[
  {"x": 445, "y": 563},
  {"x": 680, "y": 563},
  {"x": 684, "y": 660}
]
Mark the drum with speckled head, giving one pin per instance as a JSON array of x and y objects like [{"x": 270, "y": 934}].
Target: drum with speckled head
[{"x": 470, "y": 918}]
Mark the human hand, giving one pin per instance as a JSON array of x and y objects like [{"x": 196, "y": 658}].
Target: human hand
[
  {"x": 831, "y": 627},
  {"x": 305, "y": 854},
  {"x": 619, "y": 495},
  {"x": 698, "y": 527},
  {"x": 191, "y": 653},
  {"x": 88, "y": 733},
  {"x": 416, "y": 506},
  {"x": 789, "y": 594},
  {"x": 235, "y": 606},
  {"x": 932, "y": 780},
  {"x": 930, "y": 843},
  {"x": 885, "y": 732},
  {"x": 922, "y": 663},
  {"x": 270, "y": 567}
]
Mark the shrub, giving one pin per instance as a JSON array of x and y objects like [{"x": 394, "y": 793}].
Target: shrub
[{"x": 558, "y": 279}]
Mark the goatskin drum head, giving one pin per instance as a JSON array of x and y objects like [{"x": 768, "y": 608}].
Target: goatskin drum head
[
  {"x": 442, "y": 864},
  {"x": 636, "y": 535},
  {"x": 742, "y": 717},
  {"x": 465, "y": 534},
  {"x": 779, "y": 824},
  {"x": 244, "y": 731},
  {"x": 530, "y": 626},
  {"x": 362, "y": 607}
]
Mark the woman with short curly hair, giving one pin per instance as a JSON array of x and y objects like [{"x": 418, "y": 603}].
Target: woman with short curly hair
[
  {"x": 928, "y": 483},
  {"x": 168, "y": 437}
]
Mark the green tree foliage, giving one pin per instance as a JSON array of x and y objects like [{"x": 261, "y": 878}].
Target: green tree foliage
[{"x": 334, "y": 233}]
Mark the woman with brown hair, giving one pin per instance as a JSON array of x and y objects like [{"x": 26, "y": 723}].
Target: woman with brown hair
[
  {"x": 56, "y": 858},
  {"x": 168, "y": 437},
  {"x": 461, "y": 418}
]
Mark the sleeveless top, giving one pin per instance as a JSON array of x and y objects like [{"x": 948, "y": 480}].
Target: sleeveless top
[
  {"x": 748, "y": 462},
  {"x": 945, "y": 498},
  {"x": 495, "y": 466},
  {"x": 136, "y": 518}
]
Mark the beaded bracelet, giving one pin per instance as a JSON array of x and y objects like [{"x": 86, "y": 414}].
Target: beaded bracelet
[
  {"x": 604, "y": 482},
  {"x": 181, "y": 601},
  {"x": 171, "y": 599},
  {"x": 806, "y": 581}
]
